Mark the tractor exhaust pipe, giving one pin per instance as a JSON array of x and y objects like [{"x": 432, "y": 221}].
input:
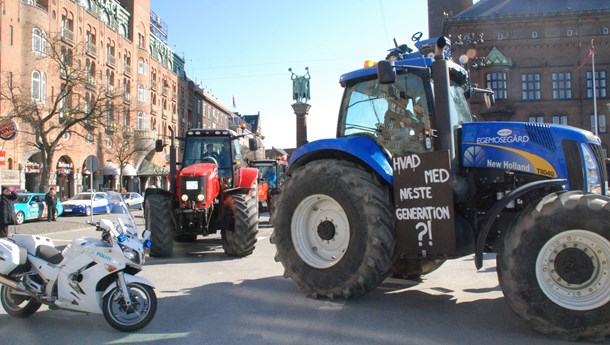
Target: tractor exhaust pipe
[{"x": 172, "y": 161}]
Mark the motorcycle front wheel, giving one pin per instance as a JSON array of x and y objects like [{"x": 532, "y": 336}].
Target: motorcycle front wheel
[
  {"x": 135, "y": 316},
  {"x": 18, "y": 304}
]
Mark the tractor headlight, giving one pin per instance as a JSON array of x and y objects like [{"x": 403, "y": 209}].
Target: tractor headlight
[
  {"x": 184, "y": 197},
  {"x": 200, "y": 197},
  {"x": 591, "y": 170}
]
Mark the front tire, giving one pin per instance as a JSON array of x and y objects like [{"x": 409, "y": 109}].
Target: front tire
[
  {"x": 19, "y": 218},
  {"x": 159, "y": 220},
  {"x": 139, "y": 314},
  {"x": 554, "y": 266},
  {"x": 241, "y": 240},
  {"x": 333, "y": 229},
  {"x": 17, "y": 304}
]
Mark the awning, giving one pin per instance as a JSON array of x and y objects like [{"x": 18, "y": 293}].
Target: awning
[
  {"x": 110, "y": 168},
  {"x": 129, "y": 170},
  {"x": 148, "y": 168}
]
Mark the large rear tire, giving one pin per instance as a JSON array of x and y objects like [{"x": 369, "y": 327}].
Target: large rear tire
[
  {"x": 334, "y": 230},
  {"x": 554, "y": 266},
  {"x": 159, "y": 220},
  {"x": 18, "y": 304},
  {"x": 241, "y": 240}
]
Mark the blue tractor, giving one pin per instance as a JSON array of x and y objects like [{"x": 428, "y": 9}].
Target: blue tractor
[{"x": 412, "y": 180}]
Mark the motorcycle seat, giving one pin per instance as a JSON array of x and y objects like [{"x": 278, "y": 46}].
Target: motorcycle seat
[{"x": 49, "y": 254}]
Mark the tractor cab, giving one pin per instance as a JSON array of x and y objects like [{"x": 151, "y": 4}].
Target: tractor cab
[{"x": 218, "y": 147}]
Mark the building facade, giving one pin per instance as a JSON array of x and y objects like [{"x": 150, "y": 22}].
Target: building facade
[
  {"x": 533, "y": 56},
  {"x": 124, "y": 50}
]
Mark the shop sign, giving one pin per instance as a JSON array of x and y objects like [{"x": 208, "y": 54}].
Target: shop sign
[
  {"x": 8, "y": 129},
  {"x": 32, "y": 168}
]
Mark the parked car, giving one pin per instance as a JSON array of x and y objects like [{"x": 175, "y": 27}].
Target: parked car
[
  {"x": 30, "y": 206},
  {"x": 81, "y": 204},
  {"x": 133, "y": 200}
]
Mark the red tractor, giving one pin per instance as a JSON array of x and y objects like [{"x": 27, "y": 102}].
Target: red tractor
[
  {"x": 212, "y": 191},
  {"x": 271, "y": 175}
]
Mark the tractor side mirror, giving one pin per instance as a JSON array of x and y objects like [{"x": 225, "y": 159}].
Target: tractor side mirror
[
  {"x": 253, "y": 144},
  {"x": 386, "y": 72},
  {"x": 159, "y": 145}
]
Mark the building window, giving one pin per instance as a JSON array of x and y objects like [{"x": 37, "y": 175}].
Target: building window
[
  {"x": 141, "y": 93},
  {"x": 562, "y": 85},
  {"x": 530, "y": 86},
  {"x": 142, "y": 67},
  {"x": 497, "y": 82},
  {"x": 142, "y": 120},
  {"x": 569, "y": 32},
  {"x": 10, "y": 33},
  {"x": 560, "y": 119},
  {"x": 605, "y": 30},
  {"x": 125, "y": 121},
  {"x": 601, "y": 123},
  {"x": 534, "y": 34},
  {"x": 536, "y": 118},
  {"x": 39, "y": 41},
  {"x": 500, "y": 36},
  {"x": 39, "y": 84},
  {"x": 600, "y": 84}
]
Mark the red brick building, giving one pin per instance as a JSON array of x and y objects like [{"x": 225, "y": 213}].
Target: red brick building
[
  {"x": 530, "y": 55},
  {"x": 124, "y": 49}
]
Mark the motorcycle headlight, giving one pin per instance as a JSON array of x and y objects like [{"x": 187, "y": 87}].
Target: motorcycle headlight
[
  {"x": 592, "y": 175},
  {"x": 131, "y": 254}
]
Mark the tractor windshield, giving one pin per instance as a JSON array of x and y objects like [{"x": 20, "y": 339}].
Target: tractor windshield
[
  {"x": 394, "y": 115},
  {"x": 208, "y": 149}
]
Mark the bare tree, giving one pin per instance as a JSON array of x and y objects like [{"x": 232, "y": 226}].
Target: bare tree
[
  {"x": 80, "y": 103},
  {"x": 122, "y": 150}
]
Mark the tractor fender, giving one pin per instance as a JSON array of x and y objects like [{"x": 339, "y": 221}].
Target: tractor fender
[
  {"x": 500, "y": 205},
  {"x": 247, "y": 177},
  {"x": 358, "y": 148},
  {"x": 151, "y": 191}
]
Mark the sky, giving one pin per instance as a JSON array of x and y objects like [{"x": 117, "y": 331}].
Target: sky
[{"x": 242, "y": 50}]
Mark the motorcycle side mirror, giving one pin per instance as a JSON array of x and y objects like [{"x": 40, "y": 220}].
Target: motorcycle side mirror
[{"x": 386, "y": 72}]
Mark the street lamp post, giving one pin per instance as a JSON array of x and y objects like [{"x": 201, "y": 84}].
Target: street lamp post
[{"x": 88, "y": 171}]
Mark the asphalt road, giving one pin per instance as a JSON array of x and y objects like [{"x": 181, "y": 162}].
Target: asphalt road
[{"x": 206, "y": 297}]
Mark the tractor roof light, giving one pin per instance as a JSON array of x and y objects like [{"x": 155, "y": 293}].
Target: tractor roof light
[{"x": 370, "y": 63}]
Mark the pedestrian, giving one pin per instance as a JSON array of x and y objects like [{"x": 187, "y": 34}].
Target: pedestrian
[
  {"x": 7, "y": 210},
  {"x": 51, "y": 200}
]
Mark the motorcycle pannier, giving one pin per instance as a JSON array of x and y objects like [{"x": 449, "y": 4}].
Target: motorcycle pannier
[{"x": 11, "y": 256}]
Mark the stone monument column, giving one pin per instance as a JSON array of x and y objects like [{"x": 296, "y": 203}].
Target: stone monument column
[
  {"x": 300, "y": 94},
  {"x": 301, "y": 110}
]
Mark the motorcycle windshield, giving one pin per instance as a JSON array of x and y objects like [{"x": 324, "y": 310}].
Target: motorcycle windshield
[{"x": 120, "y": 214}]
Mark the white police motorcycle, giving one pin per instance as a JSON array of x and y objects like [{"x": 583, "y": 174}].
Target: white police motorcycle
[{"x": 89, "y": 275}]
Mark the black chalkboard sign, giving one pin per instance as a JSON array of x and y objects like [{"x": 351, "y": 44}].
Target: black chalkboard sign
[{"x": 423, "y": 199}]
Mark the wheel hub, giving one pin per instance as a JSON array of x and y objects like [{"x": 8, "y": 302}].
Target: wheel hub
[
  {"x": 320, "y": 231},
  {"x": 574, "y": 266},
  {"x": 326, "y": 230},
  {"x": 573, "y": 269}
]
